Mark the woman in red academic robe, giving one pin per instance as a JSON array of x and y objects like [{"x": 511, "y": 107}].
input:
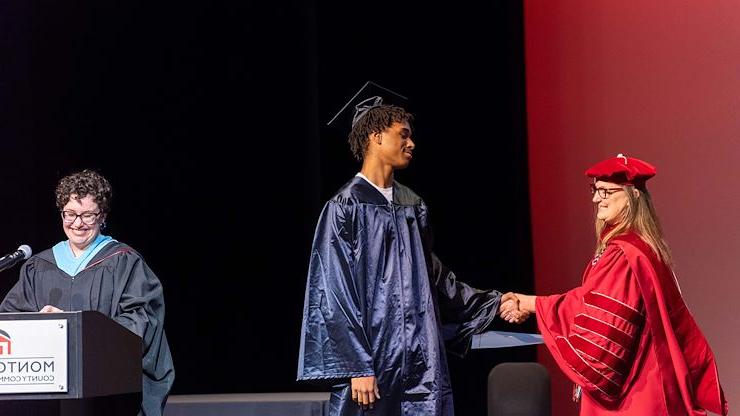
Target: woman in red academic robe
[{"x": 625, "y": 336}]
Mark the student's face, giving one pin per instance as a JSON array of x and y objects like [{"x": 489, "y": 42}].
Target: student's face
[
  {"x": 81, "y": 221},
  {"x": 611, "y": 201},
  {"x": 395, "y": 146}
]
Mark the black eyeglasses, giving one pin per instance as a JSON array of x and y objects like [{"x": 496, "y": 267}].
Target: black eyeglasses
[
  {"x": 88, "y": 218},
  {"x": 604, "y": 193}
]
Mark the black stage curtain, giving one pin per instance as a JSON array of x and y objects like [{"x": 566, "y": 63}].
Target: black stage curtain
[{"x": 209, "y": 119}]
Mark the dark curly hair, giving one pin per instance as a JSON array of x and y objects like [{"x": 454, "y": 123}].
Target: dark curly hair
[
  {"x": 82, "y": 184},
  {"x": 375, "y": 120}
]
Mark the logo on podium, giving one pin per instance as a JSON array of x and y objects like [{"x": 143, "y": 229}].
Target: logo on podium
[
  {"x": 41, "y": 365},
  {"x": 4, "y": 343}
]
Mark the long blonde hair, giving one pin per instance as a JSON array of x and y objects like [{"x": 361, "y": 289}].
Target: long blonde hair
[{"x": 639, "y": 217}]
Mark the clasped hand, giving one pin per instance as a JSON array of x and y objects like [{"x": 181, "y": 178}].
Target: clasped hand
[
  {"x": 510, "y": 311},
  {"x": 50, "y": 309}
]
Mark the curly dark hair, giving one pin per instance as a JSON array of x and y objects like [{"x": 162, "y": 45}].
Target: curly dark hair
[
  {"x": 82, "y": 184},
  {"x": 375, "y": 120}
]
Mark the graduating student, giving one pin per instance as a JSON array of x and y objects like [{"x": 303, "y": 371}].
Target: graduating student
[
  {"x": 378, "y": 300},
  {"x": 625, "y": 336},
  {"x": 91, "y": 271}
]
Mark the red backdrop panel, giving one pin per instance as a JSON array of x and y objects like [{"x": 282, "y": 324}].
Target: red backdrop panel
[{"x": 657, "y": 80}]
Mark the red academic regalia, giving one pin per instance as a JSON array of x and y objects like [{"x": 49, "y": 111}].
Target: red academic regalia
[{"x": 627, "y": 338}]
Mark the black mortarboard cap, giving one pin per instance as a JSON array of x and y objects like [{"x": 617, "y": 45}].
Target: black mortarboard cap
[{"x": 369, "y": 96}]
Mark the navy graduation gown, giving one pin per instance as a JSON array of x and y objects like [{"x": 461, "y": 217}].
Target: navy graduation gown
[
  {"x": 118, "y": 283},
  {"x": 376, "y": 299}
]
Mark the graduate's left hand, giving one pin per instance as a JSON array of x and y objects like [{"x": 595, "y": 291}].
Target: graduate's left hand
[
  {"x": 365, "y": 391},
  {"x": 50, "y": 309}
]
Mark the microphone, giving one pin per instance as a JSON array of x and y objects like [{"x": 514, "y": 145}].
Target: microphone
[{"x": 10, "y": 260}]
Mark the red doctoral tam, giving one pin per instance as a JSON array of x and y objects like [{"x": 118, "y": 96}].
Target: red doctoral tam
[{"x": 622, "y": 170}]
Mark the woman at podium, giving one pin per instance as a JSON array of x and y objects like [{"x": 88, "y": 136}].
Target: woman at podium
[{"x": 92, "y": 271}]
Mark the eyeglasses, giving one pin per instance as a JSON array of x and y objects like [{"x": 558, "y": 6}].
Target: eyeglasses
[
  {"x": 604, "y": 193},
  {"x": 88, "y": 218}
]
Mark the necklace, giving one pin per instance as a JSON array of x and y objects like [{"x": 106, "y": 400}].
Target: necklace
[{"x": 598, "y": 256}]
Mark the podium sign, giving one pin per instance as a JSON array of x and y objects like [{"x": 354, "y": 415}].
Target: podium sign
[
  {"x": 33, "y": 356},
  {"x": 68, "y": 364}
]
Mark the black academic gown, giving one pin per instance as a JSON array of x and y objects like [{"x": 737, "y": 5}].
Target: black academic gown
[
  {"x": 376, "y": 301},
  {"x": 118, "y": 283}
]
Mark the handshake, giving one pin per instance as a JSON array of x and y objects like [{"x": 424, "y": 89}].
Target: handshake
[{"x": 514, "y": 308}]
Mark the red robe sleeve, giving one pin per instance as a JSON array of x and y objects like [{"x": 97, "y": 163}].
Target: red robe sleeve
[{"x": 594, "y": 331}]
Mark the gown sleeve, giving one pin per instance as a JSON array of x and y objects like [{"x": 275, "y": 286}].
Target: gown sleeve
[
  {"x": 464, "y": 310},
  {"x": 22, "y": 297},
  {"x": 141, "y": 310},
  {"x": 334, "y": 342},
  {"x": 594, "y": 331}
]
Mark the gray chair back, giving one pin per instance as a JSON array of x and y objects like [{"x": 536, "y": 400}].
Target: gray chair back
[{"x": 519, "y": 389}]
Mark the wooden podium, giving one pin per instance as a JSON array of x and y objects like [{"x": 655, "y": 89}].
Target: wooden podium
[{"x": 69, "y": 363}]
